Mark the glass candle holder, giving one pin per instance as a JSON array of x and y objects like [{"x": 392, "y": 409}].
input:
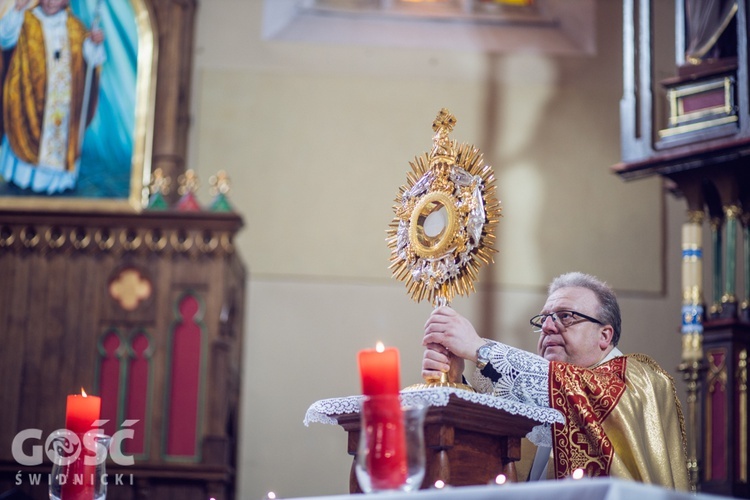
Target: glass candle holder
[
  {"x": 78, "y": 467},
  {"x": 391, "y": 450}
]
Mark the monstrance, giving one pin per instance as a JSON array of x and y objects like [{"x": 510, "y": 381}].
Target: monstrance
[{"x": 445, "y": 219}]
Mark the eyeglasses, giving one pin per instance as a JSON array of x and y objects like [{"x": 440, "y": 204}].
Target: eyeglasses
[{"x": 564, "y": 318}]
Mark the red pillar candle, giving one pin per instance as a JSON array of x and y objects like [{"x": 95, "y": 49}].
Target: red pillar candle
[
  {"x": 81, "y": 412},
  {"x": 379, "y": 369},
  {"x": 382, "y": 419}
]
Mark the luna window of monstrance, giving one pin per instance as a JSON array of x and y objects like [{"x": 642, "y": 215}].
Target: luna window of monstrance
[{"x": 445, "y": 218}]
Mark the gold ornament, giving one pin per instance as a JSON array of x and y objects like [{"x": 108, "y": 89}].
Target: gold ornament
[
  {"x": 219, "y": 183},
  {"x": 445, "y": 219},
  {"x": 160, "y": 183},
  {"x": 188, "y": 182}
]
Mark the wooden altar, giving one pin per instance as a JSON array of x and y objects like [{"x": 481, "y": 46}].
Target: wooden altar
[{"x": 466, "y": 443}]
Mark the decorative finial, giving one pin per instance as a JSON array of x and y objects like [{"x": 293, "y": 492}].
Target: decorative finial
[
  {"x": 219, "y": 189},
  {"x": 443, "y": 148},
  {"x": 160, "y": 183},
  {"x": 188, "y": 185},
  {"x": 219, "y": 183},
  {"x": 159, "y": 187},
  {"x": 445, "y": 120}
]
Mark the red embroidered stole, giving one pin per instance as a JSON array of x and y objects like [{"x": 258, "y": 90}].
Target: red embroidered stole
[{"x": 586, "y": 397}]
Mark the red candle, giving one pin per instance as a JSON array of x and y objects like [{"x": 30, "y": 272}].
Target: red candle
[
  {"x": 81, "y": 412},
  {"x": 379, "y": 369},
  {"x": 382, "y": 419}
]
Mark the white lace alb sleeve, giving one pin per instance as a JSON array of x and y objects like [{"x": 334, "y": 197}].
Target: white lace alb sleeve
[{"x": 520, "y": 376}]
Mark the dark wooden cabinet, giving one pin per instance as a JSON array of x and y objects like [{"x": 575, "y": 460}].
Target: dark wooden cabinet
[
  {"x": 693, "y": 130},
  {"x": 144, "y": 310}
]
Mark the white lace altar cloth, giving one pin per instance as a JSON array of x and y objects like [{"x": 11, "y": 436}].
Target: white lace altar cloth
[{"x": 327, "y": 411}]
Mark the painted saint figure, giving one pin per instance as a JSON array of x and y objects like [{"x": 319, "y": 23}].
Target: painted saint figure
[{"x": 45, "y": 93}]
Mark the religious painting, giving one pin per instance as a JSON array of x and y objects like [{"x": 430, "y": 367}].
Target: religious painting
[{"x": 77, "y": 104}]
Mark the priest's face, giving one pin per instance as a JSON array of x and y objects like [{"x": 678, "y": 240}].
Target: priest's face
[{"x": 582, "y": 342}]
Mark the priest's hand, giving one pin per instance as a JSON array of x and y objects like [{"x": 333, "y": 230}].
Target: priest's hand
[
  {"x": 453, "y": 332},
  {"x": 437, "y": 360}
]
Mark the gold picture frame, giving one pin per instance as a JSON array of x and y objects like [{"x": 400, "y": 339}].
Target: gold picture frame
[{"x": 131, "y": 62}]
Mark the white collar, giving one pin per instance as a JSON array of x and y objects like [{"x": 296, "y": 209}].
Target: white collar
[{"x": 614, "y": 353}]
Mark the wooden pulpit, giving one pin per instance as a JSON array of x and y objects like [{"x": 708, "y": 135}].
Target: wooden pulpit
[{"x": 466, "y": 443}]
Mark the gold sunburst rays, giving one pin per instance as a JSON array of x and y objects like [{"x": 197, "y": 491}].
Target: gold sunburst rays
[{"x": 445, "y": 219}]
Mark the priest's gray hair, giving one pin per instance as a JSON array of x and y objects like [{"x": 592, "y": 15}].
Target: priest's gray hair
[{"x": 609, "y": 309}]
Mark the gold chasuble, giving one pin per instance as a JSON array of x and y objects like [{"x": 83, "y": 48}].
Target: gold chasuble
[
  {"x": 25, "y": 99},
  {"x": 623, "y": 419}
]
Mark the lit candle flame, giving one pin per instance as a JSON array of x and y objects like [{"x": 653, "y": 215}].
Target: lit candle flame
[
  {"x": 578, "y": 474},
  {"x": 83, "y": 393},
  {"x": 440, "y": 484},
  {"x": 500, "y": 479},
  {"x": 379, "y": 347}
]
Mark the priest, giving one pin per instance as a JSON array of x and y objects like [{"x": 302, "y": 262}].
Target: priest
[{"x": 622, "y": 414}]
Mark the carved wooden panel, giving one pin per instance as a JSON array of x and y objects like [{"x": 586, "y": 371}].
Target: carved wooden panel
[
  {"x": 76, "y": 315},
  {"x": 724, "y": 462}
]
